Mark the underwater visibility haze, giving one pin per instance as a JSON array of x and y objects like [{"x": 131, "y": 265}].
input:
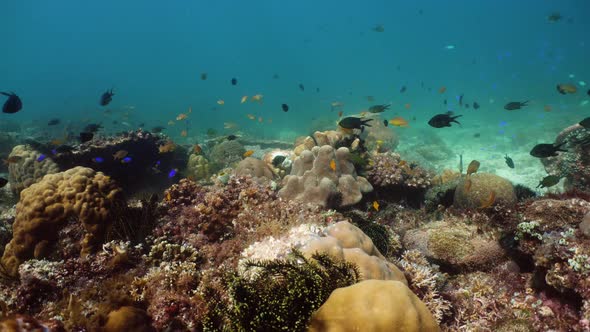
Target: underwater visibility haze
[{"x": 265, "y": 165}]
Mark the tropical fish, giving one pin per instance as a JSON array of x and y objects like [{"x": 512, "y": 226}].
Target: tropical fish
[
  {"x": 41, "y": 158},
  {"x": 248, "y": 153},
  {"x": 475, "y": 105},
  {"x": 251, "y": 116},
  {"x": 183, "y": 133},
  {"x": 126, "y": 160},
  {"x": 566, "y": 88},
  {"x": 509, "y": 161},
  {"x": 515, "y": 105},
  {"x": 443, "y": 120},
  {"x": 231, "y": 137},
  {"x": 403, "y": 89},
  {"x": 98, "y": 160},
  {"x": 12, "y": 160},
  {"x": 379, "y": 108},
  {"x": 260, "y": 119},
  {"x": 407, "y": 106},
  {"x": 169, "y": 146},
  {"x": 244, "y": 99},
  {"x": 301, "y": 87},
  {"x": 549, "y": 181},
  {"x": 376, "y": 205},
  {"x": 278, "y": 160},
  {"x": 546, "y": 150},
  {"x": 197, "y": 149},
  {"x": 354, "y": 123},
  {"x": 547, "y": 108},
  {"x": 172, "y": 173},
  {"x": 106, "y": 97},
  {"x": 181, "y": 116},
  {"x": 340, "y": 114},
  {"x": 385, "y": 123},
  {"x": 473, "y": 167},
  {"x": 234, "y": 81},
  {"x": 399, "y": 122},
  {"x": 489, "y": 201},
  {"x": 285, "y": 107},
  {"x": 171, "y": 123},
  {"x": 333, "y": 164},
  {"x": 221, "y": 102},
  {"x": 53, "y": 122},
  {"x": 257, "y": 98},
  {"x": 378, "y": 28},
  {"x": 554, "y": 17},
  {"x": 120, "y": 154},
  {"x": 203, "y": 76},
  {"x": 442, "y": 89}
]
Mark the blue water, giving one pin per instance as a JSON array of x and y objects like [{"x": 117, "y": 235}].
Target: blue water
[{"x": 59, "y": 56}]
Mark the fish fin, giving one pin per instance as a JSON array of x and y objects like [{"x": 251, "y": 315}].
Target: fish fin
[
  {"x": 524, "y": 103},
  {"x": 364, "y": 122},
  {"x": 5, "y": 93}
]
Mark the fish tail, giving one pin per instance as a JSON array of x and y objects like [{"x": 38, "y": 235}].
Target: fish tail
[
  {"x": 524, "y": 103},
  {"x": 364, "y": 122}
]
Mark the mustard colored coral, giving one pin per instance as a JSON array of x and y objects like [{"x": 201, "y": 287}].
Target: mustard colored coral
[
  {"x": 45, "y": 207},
  {"x": 373, "y": 305}
]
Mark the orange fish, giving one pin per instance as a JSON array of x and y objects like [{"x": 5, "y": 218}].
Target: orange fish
[
  {"x": 248, "y": 153},
  {"x": 120, "y": 154},
  {"x": 220, "y": 102},
  {"x": 257, "y": 98},
  {"x": 488, "y": 202},
  {"x": 376, "y": 205},
  {"x": 473, "y": 167},
  {"x": 333, "y": 164},
  {"x": 548, "y": 108},
  {"x": 197, "y": 149},
  {"x": 566, "y": 88},
  {"x": 168, "y": 197},
  {"x": 183, "y": 133},
  {"x": 251, "y": 116},
  {"x": 398, "y": 122},
  {"x": 269, "y": 120},
  {"x": 168, "y": 147},
  {"x": 181, "y": 117},
  {"x": 442, "y": 89},
  {"x": 408, "y": 106},
  {"x": 244, "y": 99},
  {"x": 467, "y": 185}
]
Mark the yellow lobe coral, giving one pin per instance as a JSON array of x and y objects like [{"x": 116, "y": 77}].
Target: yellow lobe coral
[
  {"x": 373, "y": 305},
  {"x": 46, "y": 206}
]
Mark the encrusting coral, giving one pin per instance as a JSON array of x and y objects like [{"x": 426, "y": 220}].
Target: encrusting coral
[
  {"x": 47, "y": 206},
  {"x": 477, "y": 190},
  {"x": 319, "y": 175},
  {"x": 389, "y": 170},
  {"x": 198, "y": 167},
  {"x": 27, "y": 170},
  {"x": 373, "y": 305}
]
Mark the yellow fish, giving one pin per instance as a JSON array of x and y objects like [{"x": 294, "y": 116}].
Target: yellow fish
[
  {"x": 220, "y": 102},
  {"x": 181, "y": 117},
  {"x": 376, "y": 205},
  {"x": 248, "y": 153},
  {"x": 398, "y": 122},
  {"x": 168, "y": 197},
  {"x": 257, "y": 98},
  {"x": 244, "y": 99},
  {"x": 251, "y": 116},
  {"x": 183, "y": 133},
  {"x": 333, "y": 164}
]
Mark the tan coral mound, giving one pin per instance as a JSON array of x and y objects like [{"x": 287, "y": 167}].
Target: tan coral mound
[
  {"x": 46, "y": 206},
  {"x": 373, "y": 305},
  {"x": 27, "y": 170},
  {"x": 128, "y": 319},
  {"x": 313, "y": 179},
  {"x": 198, "y": 167},
  {"x": 478, "y": 193},
  {"x": 255, "y": 168}
]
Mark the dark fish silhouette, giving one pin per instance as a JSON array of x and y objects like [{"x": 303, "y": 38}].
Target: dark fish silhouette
[
  {"x": 379, "y": 108},
  {"x": 86, "y": 136},
  {"x": 475, "y": 105},
  {"x": 3, "y": 182},
  {"x": 515, "y": 105},
  {"x": 106, "y": 97},
  {"x": 443, "y": 120},
  {"x": 234, "y": 81},
  {"x": 549, "y": 181},
  {"x": 509, "y": 161},
  {"x": 403, "y": 89},
  {"x": 547, "y": 150},
  {"x": 385, "y": 123},
  {"x": 13, "y": 104},
  {"x": 157, "y": 129},
  {"x": 285, "y": 107},
  {"x": 53, "y": 122},
  {"x": 461, "y": 100},
  {"x": 301, "y": 87},
  {"x": 92, "y": 127},
  {"x": 231, "y": 137},
  {"x": 585, "y": 123},
  {"x": 277, "y": 160},
  {"x": 354, "y": 123}
]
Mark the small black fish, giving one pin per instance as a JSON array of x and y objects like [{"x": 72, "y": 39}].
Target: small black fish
[
  {"x": 379, "y": 108},
  {"x": 301, "y": 87},
  {"x": 106, "y": 97},
  {"x": 515, "y": 105},
  {"x": 157, "y": 129},
  {"x": 86, "y": 136},
  {"x": 13, "y": 104},
  {"x": 317, "y": 90},
  {"x": 549, "y": 181},
  {"x": 203, "y": 76},
  {"x": 403, "y": 89},
  {"x": 231, "y": 137},
  {"x": 509, "y": 161},
  {"x": 3, "y": 182},
  {"x": 588, "y": 92},
  {"x": 445, "y": 102},
  {"x": 234, "y": 81},
  {"x": 385, "y": 123},
  {"x": 466, "y": 105},
  {"x": 141, "y": 125},
  {"x": 285, "y": 107},
  {"x": 443, "y": 120},
  {"x": 275, "y": 76},
  {"x": 354, "y": 123},
  {"x": 585, "y": 123},
  {"x": 547, "y": 150},
  {"x": 277, "y": 160},
  {"x": 461, "y": 100},
  {"x": 92, "y": 127},
  {"x": 53, "y": 122},
  {"x": 475, "y": 105},
  {"x": 477, "y": 135}
]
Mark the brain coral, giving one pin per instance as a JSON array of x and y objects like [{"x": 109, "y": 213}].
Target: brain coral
[
  {"x": 226, "y": 153},
  {"x": 198, "y": 167},
  {"x": 313, "y": 180},
  {"x": 27, "y": 170},
  {"x": 373, "y": 305},
  {"x": 478, "y": 192},
  {"x": 46, "y": 206}
]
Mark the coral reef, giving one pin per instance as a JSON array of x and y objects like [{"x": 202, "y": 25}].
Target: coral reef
[
  {"x": 7, "y": 143},
  {"x": 373, "y": 305},
  {"x": 476, "y": 190},
  {"x": 318, "y": 138},
  {"x": 255, "y": 168},
  {"x": 47, "y": 206},
  {"x": 389, "y": 170},
  {"x": 225, "y": 154},
  {"x": 322, "y": 173},
  {"x": 26, "y": 170},
  {"x": 129, "y": 319},
  {"x": 198, "y": 167},
  {"x": 574, "y": 165}
]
